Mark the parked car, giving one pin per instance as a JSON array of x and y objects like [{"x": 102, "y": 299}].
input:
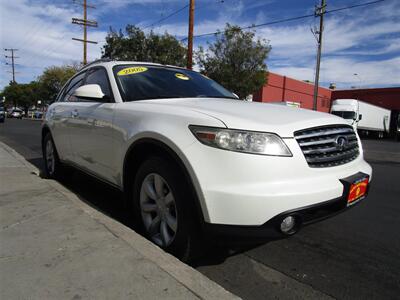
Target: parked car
[
  {"x": 2, "y": 114},
  {"x": 35, "y": 114},
  {"x": 193, "y": 160},
  {"x": 16, "y": 114}
]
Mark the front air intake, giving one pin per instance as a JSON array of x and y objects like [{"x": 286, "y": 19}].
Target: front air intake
[{"x": 328, "y": 146}]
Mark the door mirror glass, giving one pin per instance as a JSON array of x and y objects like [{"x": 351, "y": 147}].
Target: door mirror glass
[
  {"x": 90, "y": 92},
  {"x": 359, "y": 117}
]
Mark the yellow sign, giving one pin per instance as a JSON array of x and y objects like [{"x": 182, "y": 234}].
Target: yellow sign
[
  {"x": 181, "y": 76},
  {"x": 131, "y": 70}
]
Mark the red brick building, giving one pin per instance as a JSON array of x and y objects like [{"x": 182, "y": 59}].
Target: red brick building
[
  {"x": 282, "y": 88},
  {"x": 385, "y": 97}
]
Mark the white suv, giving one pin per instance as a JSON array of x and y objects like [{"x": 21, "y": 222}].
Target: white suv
[{"x": 190, "y": 157}]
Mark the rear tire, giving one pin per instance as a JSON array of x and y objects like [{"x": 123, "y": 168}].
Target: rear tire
[
  {"x": 163, "y": 208},
  {"x": 52, "y": 165}
]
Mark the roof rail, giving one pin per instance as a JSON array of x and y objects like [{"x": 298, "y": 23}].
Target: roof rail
[{"x": 95, "y": 62}]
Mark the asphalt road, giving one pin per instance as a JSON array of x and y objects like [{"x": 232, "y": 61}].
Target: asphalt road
[{"x": 355, "y": 255}]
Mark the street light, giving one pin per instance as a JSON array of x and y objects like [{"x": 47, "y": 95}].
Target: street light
[{"x": 359, "y": 78}]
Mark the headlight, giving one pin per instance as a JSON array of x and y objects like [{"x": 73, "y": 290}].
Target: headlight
[{"x": 241, "y": 141}]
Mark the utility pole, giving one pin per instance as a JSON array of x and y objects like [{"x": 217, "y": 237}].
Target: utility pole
[
  {"x": 319, "y": 12},
  {"x": 13, "y": 57},
  {"x": 85, "y": 23},
  {"x": 190, "y": 36}
]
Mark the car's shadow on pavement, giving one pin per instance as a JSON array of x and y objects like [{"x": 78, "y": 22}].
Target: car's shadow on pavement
[
  {"x": 110, "y": 201},
  {"x": 93, "y": 192},
  {"x": 218, "y": 252}
]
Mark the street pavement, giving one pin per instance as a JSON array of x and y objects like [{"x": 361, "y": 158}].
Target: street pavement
[{"x": 355, "y": 255}]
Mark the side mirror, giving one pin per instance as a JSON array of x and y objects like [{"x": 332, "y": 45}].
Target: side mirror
[
  {"x": 359, "y": 117},
  {"x": 237, "y": 97},
  {"x": 89, "y": 91}
]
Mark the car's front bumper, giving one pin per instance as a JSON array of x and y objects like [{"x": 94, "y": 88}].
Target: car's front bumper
[
  {"x": 303, "y": 215},
  {"x": 251, "y": 190}
]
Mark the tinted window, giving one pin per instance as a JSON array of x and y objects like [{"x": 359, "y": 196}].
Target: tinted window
[
  {"x": 345, "y": 114},
  {"x": 72, "y": 86},
  {"x": 99, "y": 76},
  {"x": 152, "y": 82}
]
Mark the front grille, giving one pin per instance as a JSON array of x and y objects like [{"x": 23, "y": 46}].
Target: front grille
[{"x": 328, "y": 146}]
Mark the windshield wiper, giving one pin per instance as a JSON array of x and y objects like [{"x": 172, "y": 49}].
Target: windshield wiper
[{"x": 222, "y": 97}]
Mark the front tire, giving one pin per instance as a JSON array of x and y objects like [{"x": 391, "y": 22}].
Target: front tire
[{"x": 164, "y": 209}]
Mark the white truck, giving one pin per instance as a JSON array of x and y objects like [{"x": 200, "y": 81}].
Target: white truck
[{"x": 365, "y": 117}]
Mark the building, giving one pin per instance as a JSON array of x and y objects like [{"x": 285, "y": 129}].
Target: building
[
  {"x": 284, "y": 89},
  {"x": 385, "y": 97}
]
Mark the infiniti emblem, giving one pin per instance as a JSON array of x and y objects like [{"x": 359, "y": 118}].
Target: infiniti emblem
[{"x": 341, "y": 142}]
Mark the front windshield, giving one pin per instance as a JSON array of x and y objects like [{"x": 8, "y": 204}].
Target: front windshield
[
  {"x": 345, "y": 114},
  {"x": 155, "y": 82}
]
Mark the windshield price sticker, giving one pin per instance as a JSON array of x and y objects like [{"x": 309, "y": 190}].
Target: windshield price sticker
[
  {"x": 181, "y": 76},
  {"x": 131, "y": 70}
]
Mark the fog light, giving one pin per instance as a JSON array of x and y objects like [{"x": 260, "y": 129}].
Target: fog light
[{"x": 288, "y": 224}]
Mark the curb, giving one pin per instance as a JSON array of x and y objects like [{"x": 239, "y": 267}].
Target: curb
[
  {"x": 193, "y": 280},
  {"x": 32, "y": 119}
]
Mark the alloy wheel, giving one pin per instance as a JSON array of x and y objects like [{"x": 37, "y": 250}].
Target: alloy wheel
[{"x": 158, "y": 210}]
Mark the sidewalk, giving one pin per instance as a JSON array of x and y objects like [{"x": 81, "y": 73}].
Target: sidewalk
[{"x": 54, "y": 246}]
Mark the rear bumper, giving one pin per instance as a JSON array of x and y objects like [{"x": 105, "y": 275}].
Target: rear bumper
[{"x": 304, "y": 216}]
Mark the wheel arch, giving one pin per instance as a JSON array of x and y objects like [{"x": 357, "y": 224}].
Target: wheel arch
[{"x": 146, "y": 147}]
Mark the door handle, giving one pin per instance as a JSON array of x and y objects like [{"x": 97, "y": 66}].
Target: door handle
[{"x": 74, "y": 113}]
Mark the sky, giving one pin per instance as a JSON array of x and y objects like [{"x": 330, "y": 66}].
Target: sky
[{"x": 361, "y": 46}]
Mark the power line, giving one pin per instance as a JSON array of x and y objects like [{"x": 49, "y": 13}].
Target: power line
[
  {"x": 354, "y": 6},
  {"x": 176, "y": 12},
  {"x": 255, "y": 26},
  {"x": 166, "y": 17},
  {"x": 288, "y": 19}
]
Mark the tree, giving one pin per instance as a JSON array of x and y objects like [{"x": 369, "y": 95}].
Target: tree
[
  {"x": 22, "y": 95},
  {"x": 138, "y": 46},
  {"x": 53, "y": 79},
  {"x": 236, "y": 60}
]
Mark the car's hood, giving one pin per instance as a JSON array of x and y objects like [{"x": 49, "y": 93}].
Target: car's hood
[{"x": 257, "y": 116}]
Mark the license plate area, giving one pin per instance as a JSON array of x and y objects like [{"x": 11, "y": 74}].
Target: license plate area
[{"x": 358, "y": 190}]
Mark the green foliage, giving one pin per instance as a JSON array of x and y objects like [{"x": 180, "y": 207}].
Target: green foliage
[
  {"x": 45, "y": 88},
  {"x": 236, "y": 60},
  {"x": 53, "y": 79},
  {"x": 22, "y": 95},
  {"x": 138, "y": 46}
]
